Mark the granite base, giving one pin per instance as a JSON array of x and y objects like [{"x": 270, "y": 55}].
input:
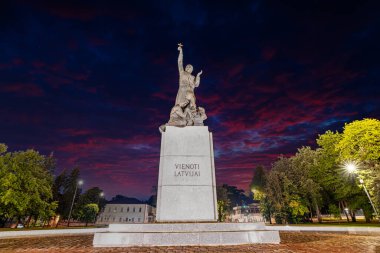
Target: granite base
[{"x": 185, "y": 234}]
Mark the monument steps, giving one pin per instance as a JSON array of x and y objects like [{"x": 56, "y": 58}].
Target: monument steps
[{"x": 188, "y": 234}]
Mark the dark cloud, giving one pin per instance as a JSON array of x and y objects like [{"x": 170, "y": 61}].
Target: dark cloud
[{"x": 92, "y": 81}]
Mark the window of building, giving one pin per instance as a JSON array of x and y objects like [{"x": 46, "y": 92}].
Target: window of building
[
  {"x": 134, "y": 210},
  {"x": 115, "y": 209},
  {"x": 140, "y": 210},
  {"x": 133, "y": 219},
  {"x": 128, "y": 209},
  {"x": 122, "y": 209},
  {"x": 113, "y": 219},
  {"x": 139, "y": 219},
  {"x": 109, "y": 209},
  {"x": 120, "y": 219},
  {"x": 101, "y": 218}
]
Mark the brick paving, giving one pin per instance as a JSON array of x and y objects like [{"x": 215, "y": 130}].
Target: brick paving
[{"x": 290, "y": 242}]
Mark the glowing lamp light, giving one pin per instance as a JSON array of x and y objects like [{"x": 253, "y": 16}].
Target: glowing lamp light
[
  {"x": 80, "y": 182},
  {"x": 351, "y": 167}
]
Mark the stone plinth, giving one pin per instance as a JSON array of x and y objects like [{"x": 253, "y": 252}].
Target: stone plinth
[
  {"x": 185, "y": 234},
  {"x": 186, "y": 182}
]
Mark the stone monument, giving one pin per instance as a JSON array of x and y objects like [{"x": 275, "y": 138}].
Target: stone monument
[
  {"x": 186, "y": 197},
  {"x": 186, "y": 181}
]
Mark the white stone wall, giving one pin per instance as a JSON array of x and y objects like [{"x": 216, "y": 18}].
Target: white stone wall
[
  {"x": 186, "y": 181},
  {"x": 125, "y": 213}
]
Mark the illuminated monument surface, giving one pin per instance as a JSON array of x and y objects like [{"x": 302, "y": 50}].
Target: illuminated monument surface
[{"x": 186, "y": 197}]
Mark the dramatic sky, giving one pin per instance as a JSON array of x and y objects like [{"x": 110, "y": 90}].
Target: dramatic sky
[{"x": 92, "y": 81}]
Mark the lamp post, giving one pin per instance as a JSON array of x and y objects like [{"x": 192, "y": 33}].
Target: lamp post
[
  {"x": 80, "y": 182},
  {"x": 352, "y": 168},
  {"x": 101, "y": 195},
  {"x": 370, "y": 200}
]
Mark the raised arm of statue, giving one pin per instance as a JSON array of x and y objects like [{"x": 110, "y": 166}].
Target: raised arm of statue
[
  {"x": 180, "y": 60},
  {"x": 198, "y": 79}
]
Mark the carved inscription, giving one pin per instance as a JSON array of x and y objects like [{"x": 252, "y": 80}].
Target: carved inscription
[{"x": 187, "y": 170}]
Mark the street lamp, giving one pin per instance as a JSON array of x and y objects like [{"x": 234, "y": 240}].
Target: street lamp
[
  {"x": 370, "y": 200},
  {"x": 80, "y": 182},
  {"x": 352, "y": 168},
  {"x": 101, "y": 195}
]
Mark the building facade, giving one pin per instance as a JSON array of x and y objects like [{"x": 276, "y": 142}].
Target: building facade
[
  {"x": 247, "y": 213},
  {"x": 126, "y": 213}
]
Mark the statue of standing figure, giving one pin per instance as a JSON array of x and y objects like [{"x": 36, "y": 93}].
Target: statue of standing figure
[
  {"x": 187, "y": 82},
  {"x": 185, "y": 111}
]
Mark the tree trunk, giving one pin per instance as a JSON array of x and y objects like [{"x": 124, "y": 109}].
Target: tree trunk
[
  {"x": 86, "y": 223},
  {"x": 345, "y": 212},
  {"x": 27, "y": 223},
  {"x": 319, "y": 216},
  {"x": 353, "y": 217},
  {"x": 35, "y": 220},
  {"x": 311, "y": 214},
  {"x": 270, "y": 218},
  {"x": 340, "y": 209}
]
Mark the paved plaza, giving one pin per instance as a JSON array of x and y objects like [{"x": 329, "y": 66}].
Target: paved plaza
[{"x": 291, "y": 242}]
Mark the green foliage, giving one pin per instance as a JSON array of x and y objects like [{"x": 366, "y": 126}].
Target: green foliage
[
  {"x": 25, "y": 185},
  {"x": 236, "y": 196},
  {"x": 335, "y": 211},
  {"x": 63, "y": 191},
  {"x": 297, "y": 208},
  {"x": 312, "y": 180},
  {"x": 88, "y": 212},
  {"x": 92, "y": 195},
  {"x": 223, "y": 202},
  {"x": 3, "y": 148},
  {"x": 360, "y": 141},
  {"x": 258, "y": 183},
  {"x": 266, "y": 208}
]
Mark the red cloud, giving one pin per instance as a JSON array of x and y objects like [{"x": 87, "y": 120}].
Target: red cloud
[{"x": 23, "y": 89}]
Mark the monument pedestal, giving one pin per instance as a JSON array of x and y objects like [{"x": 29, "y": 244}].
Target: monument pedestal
[{"x": 186, "y": 181}]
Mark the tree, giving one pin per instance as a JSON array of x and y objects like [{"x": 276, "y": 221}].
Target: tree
[
  {"x": 236, "y": 196},
  {"x": 360, "y": 142},
  {"x": 64, "y": 188},
  {"x": 258, "y": 183},
  {"x": 88, "y": 213},
  {"x": 292, "y": 189},
  {"x": 275, "y": 191},
  {"x": 223, "y": 202},
  {"x": 342, "y": 188},
  {"x": 92, "y": 195},
  {"x": 25, "y": 185}
]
